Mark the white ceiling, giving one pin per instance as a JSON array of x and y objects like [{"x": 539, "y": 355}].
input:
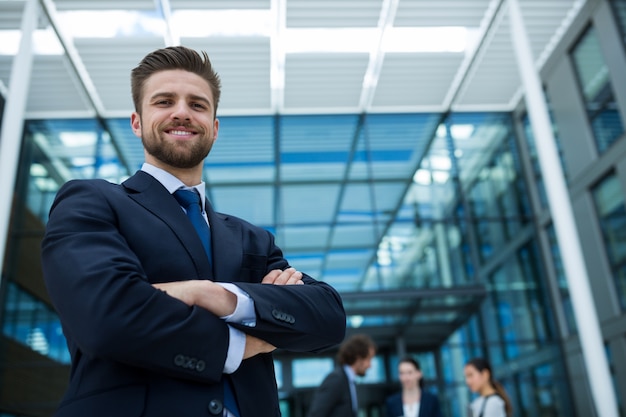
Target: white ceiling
[{"x": 483, "y": 78}]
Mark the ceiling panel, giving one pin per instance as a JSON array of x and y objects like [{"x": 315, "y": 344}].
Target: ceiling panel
[
  {"x": 243, "y": 64},
  {"x": 416, "y": 80},
  {"x": 109, "y": 63},
  {"x": 324, "y": 81},
  {"x": 441, "y": 13},
  {"x": 220, "y": 4},
  {"x": 59, "y": 82},
  {"x": 103, "y": 4},
  {"x": 332, "y": 13}
]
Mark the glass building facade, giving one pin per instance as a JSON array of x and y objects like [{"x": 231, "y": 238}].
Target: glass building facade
[{"x": 473, "y": 211}]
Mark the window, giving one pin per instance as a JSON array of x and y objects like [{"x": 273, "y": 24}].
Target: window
[
  {"x": 609, "y": 201},
  {"x": 31, "y": 323},
  {"x": 595, "y": 83}
]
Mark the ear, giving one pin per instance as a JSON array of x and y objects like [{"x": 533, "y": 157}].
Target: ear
[
  {"x": 216, "y": 128},
  {"x": 135, "y": 124}
]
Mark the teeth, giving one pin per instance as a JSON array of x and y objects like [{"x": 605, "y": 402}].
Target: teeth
[{"x": 180, "y": 132}]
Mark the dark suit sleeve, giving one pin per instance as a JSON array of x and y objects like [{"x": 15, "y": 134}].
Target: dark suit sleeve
[
  {"x": 306, "y": 317},
  {"x": 106, "y": 304}
]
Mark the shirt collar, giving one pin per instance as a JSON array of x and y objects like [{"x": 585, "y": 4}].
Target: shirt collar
[
  {"x": 350, "y": 372},
  {"x": 171, "y": 183}
]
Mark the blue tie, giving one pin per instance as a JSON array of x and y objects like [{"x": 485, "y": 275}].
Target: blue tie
[{"x": 190, "y": 201}]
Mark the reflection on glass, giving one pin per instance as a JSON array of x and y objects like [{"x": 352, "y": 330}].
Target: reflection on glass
[
  {"x": 33, "y": 324},
  {"x": 518, "y": 308},
  {"x": 597, "y": 91},
  {"x": 491, "y": 177},
  {"x": 609, "y": 201},
  {"x": 534, "y": 158},
  {"x": 310, "y": 372}
]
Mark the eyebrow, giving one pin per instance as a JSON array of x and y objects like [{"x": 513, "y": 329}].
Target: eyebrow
[{"x": 194, "y": 97}]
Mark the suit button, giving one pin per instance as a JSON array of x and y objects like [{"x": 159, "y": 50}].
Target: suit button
[
  {"x": 179, "y": 360},
  {"x": 216, "y": 407}
]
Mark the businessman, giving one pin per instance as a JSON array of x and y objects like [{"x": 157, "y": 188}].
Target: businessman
[
  {"x": 170, "y": 308},
  {"x": 337, "y": 396}
]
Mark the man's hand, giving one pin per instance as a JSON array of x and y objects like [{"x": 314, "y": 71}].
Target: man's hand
[
  {"x": 254, "y": 346},
  {"x": 203, "y": 293},
  {"x": 287, "y": 277}
]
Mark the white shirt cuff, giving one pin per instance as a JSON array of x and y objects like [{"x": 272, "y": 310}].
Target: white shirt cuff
[{"x": 236, "y": 347}]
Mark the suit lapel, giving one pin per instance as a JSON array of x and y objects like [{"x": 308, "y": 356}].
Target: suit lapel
[
  {"x": 226, "y": 244},
  {"x": 150, "y": 194}
]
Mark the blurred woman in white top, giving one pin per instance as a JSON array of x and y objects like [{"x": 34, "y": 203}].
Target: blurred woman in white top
[{"x": 493, "y": 400}]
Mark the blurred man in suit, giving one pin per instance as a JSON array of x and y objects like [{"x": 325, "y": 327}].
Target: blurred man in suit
[{"x": 337, "y": 396}]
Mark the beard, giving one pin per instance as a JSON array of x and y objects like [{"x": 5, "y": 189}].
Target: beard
[{"x": 178, "y": 154}]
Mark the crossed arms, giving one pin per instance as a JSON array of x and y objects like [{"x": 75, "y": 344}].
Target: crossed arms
[{"x": 221, "y": 302}]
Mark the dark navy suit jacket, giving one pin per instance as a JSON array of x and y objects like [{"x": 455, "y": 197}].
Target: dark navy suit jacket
[
  {"x": 332, "y": 398},
  {"x": 429, "y": 405},
  {"x": 137, "y": 351}
]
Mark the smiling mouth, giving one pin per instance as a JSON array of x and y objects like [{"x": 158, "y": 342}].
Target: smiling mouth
[{"x": 180, "y": 132}]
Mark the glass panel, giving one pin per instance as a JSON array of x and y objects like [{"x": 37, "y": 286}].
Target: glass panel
[
  {"x": 496, "y": 191},
  {"x": 534, "y": 158},
  {"x": 310, "y": 372},
  {"x": 518, "y": 308},
  {"x": 32, "y": 323},
  {"x": 609, "y": 200},
  {"x": 594, "y": 79},
  {"x": 278, "y": 369}
]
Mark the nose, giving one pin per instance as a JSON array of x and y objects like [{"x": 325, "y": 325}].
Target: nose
[{"x": 180, "y": 111}]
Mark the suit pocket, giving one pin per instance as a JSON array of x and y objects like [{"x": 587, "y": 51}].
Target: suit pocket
[
  {"x": 125, "y": 401},
  {"x": 250, "y": 261}
]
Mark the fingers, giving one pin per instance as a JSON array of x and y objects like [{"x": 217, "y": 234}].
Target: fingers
[{"x": 289, "y": 276}]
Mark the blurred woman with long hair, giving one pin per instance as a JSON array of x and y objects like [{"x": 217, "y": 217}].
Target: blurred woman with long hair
[{"x": 493, "y": 400}]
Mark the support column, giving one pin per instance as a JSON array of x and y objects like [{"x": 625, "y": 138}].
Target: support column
[
  {"x": 590, "y": 336},
  {"x": 13, "y": 120}
]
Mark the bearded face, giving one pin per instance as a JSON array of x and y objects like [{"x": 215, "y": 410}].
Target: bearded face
[
  {"x": 180, "y": 153},
  {"x": 177, "y": 123}
]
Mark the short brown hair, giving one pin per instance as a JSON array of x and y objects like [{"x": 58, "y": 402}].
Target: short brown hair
[
  {"x": 172, "y": 58},
  {"x": 355, "y": 347}
]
